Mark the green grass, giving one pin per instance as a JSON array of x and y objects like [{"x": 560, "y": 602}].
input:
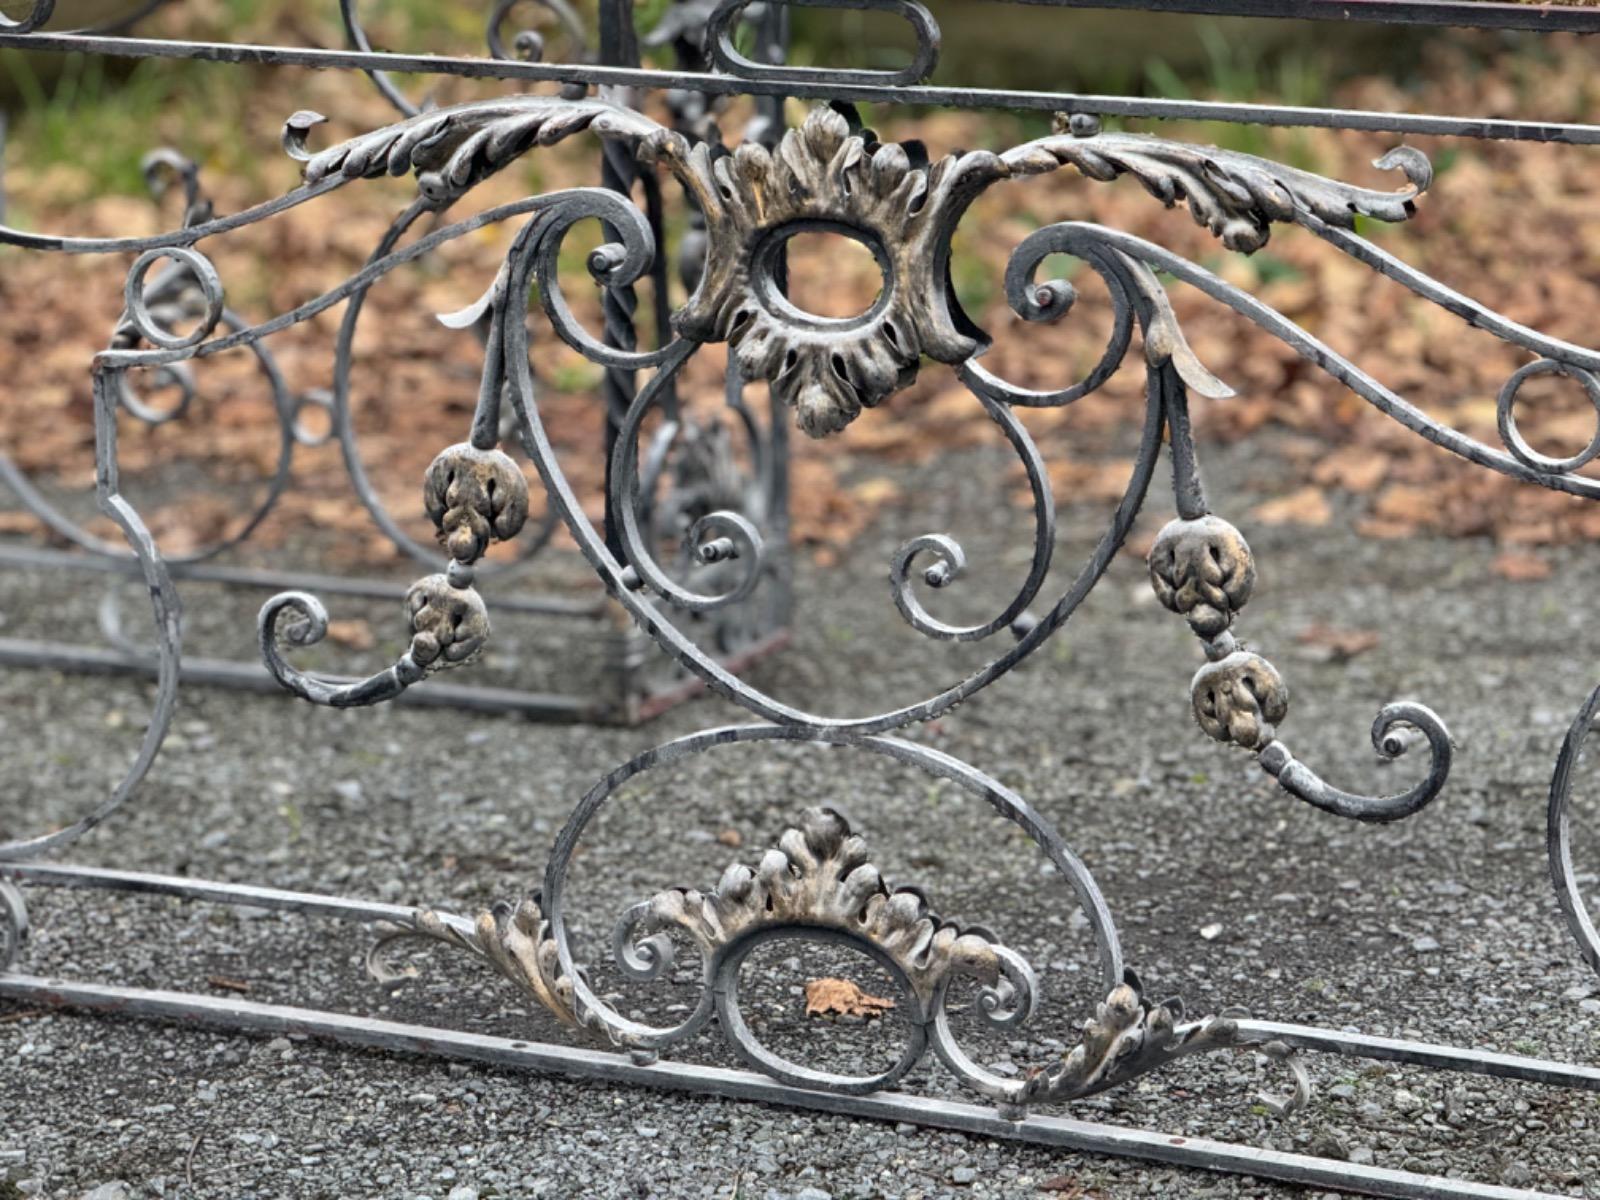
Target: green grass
[
  {"x": 85, "y": 119},
  {"x": 1234, "y": 70}
]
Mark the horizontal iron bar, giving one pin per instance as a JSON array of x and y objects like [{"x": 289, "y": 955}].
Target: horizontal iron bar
[
  {"x": 333, "y": 585},
  {"x": 662, "y": 700},
  {"x": 1424, "y": 1054},
  {"x": 580, "y": 1062},
  {"x": 1301, "y": 1037},
  {"x": 67, "y": 875},
  {"x": 1494, "y": 128},
  {"x": 222, "y": 672},
  {"x": 1464, "y": 14}
]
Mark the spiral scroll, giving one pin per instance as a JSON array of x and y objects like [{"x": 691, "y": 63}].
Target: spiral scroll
[{"x": 1569, "y": 893}]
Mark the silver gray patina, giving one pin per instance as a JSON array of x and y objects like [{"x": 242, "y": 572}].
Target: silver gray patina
[{"x": 818, "y": 883}]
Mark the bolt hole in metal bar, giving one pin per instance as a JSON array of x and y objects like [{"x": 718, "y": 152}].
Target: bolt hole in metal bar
[
  {"x": 1452, "y": 13},
  {"x": 1060, "y": 1133}
]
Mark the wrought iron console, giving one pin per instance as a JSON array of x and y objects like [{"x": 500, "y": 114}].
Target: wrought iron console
[{"x": 819, "y": 883}]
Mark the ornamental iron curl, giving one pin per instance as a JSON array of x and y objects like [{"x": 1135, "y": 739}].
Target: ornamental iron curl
[{"x": 817, "y": 883}]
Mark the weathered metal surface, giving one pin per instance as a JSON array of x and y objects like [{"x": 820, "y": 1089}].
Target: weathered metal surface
[{"x": 748, "y": 200}]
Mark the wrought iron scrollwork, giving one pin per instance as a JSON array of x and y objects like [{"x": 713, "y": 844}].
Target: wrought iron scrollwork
[
  {"x": 13, "y": 924},
  {"x": 824, "y": 176},
  {"x": 924, "y": 58},
  {"x": 818, "y": 883},
  {"x": 1558, "y": 836},
  {"x": 41, "y": 12}
]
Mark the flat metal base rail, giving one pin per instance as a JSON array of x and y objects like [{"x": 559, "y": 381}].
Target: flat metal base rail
[
  {"x": 12, "y": 555},
  {"x": 251, "y": 676},
  {"x": 1059, "y": 1133},
  {"x": 244, "y": 1016}
]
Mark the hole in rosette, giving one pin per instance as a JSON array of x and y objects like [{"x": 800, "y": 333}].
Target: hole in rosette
[
  {"x": 832, "y": 275},
  {"x": 822, "y": 275}
]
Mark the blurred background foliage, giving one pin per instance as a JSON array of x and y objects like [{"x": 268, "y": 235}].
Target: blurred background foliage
[
  {"x": 1513, "y": 225},
  {"x": 89, "y": 111}
]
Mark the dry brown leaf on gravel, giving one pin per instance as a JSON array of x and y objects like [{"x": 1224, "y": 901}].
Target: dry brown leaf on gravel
[
  {"x": 1067, "y": 1187},
  {"x": 1308, "y": 506},
  {"x": 1337, "y": 645},
  {"x": 825, "y": 997},
  {"x": 354, "y": 633},
  {"x": 413, "y": 384},
  {"x": 1408, "y": 505},
  {"x": 1354, "y": 468},
  {"x": 1521, "y": 567}
]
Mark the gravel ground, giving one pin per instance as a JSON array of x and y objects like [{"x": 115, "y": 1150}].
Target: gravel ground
[{"x": 1441, "y": 928}]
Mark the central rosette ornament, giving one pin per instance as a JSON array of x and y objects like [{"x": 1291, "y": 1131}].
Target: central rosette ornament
[{"x": 822, "y": 177}]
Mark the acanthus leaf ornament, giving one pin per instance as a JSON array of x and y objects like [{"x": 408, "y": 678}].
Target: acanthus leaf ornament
[
  {"x": 823, "y": 177},
  {"x": 513, "y": 938},
  {"x": 1237, "y": 197},
  {"x": 819, "y": 876},
  {"x": 453, "y": 149},
  {"x": 819, "y": 883},
  {"x": 1128, "y": 1036}
]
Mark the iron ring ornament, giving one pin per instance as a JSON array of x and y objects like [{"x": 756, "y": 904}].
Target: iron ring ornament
[{"x": 818, "y": 883}]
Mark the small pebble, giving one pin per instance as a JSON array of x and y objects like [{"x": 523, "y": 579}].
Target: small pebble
[{"x": 1516, "y": 1175}]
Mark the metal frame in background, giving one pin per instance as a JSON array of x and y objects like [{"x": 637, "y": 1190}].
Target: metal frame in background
[
  {"x": 693, "y": 469},
  {"x": 818, "y": 883}
]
